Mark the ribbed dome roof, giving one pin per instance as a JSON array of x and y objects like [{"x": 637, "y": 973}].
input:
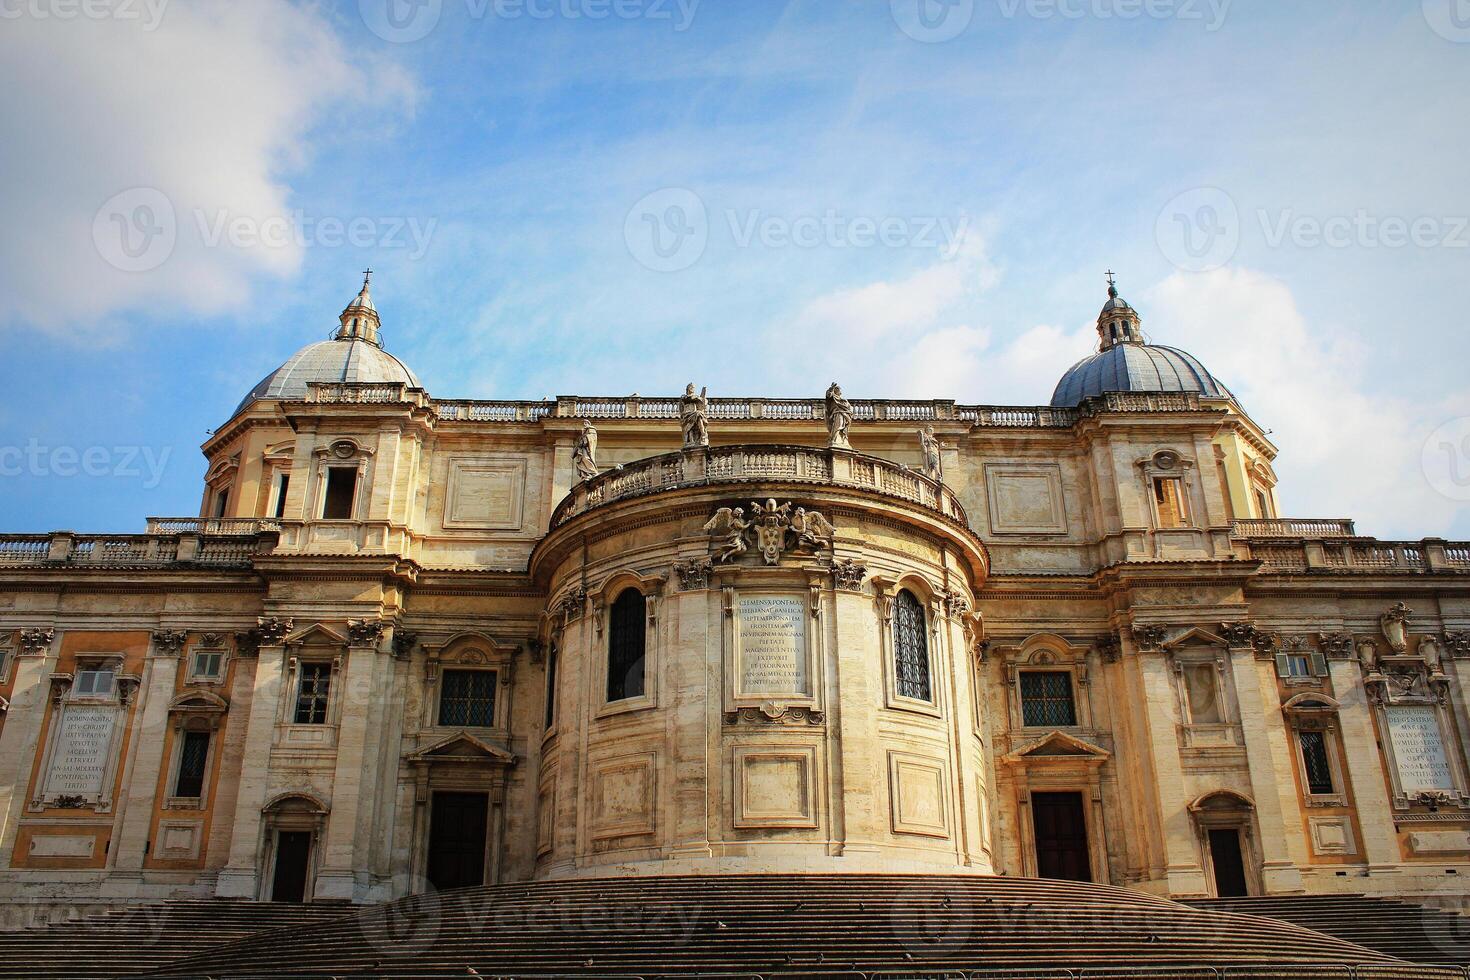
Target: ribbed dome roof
[
  {"x": 1135, "y": 367},
  {"x": 331, "y": 360}
]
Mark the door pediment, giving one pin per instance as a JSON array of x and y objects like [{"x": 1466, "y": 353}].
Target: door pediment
[{"x": 1058, "y": 748}]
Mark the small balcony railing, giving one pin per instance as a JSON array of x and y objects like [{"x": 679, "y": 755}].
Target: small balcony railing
[
  {"x": 1293, "y": 527},
  {"x": 755, "y": 464}
]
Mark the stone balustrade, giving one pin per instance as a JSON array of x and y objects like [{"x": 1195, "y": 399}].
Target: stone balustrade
[
  {"x": 220, "y": 526},
  {"x": 749, "y": 409},
  {"x": 228, "y": 547},
  {"x": 750, "y": 464},
  {"x": 1293, "y": 527},
  {"x": 1358, "y": 555}
]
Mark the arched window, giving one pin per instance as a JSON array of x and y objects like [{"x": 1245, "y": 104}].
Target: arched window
[
  {"x": 911, "y": 647},
  {"x": 626, "y": 633}
]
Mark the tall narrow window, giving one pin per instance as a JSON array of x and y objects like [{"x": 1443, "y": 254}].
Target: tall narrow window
[
  {"x": 1046, "y": 699},
  {"x": 311, "y": 694},
  {"x": 1263, "y": 503},
  {"x": 467, "y": 698},
  {"x": 221, "y": 501},
  {"x": 1314, "y": 758},
  {"x": 626, "y": 637},
  {"x": 911, "y": 647},
  {"x": 282, "y": 486},
  {"x": 189, "y": 783},
  {"x": 341, "y": 489},
  {"x": 1169, "y": 498},
  {"x": 550, "y": 686}
]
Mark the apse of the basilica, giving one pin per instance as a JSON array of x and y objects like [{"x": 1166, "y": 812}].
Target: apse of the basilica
[{"x": 416, "y": 642}]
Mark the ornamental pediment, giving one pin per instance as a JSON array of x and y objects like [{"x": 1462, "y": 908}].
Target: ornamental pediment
[
  {"x": 1058, "y": 747},
  {"x": 462, "y": 748}
]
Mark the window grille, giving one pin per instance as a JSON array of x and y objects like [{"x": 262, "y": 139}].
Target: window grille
[
  {"x": 911, "y": 647},
  {"x": 311, "y": 695},
  {"x": 192, "y": 755},
  {"x": 1314, "y": 756},
  {"x": 627, "y": 632},
  {"x": 1046, "y": 699},
  {"x": 467, "y": 698}
]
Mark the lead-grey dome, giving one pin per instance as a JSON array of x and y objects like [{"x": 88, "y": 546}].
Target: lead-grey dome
[
  {"x": 1135, "y": 367},
  {"x": 349, "y": 360},
  {"x": 354, "y": 355}
]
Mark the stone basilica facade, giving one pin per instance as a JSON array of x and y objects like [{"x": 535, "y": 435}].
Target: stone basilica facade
[{"x": 415, "y": 642}]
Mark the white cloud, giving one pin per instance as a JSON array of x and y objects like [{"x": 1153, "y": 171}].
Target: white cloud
[
  {"x": 1347, "y": 449},
  {"x": 208, "y": 112}
]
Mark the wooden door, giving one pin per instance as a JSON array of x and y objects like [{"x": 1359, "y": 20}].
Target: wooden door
[
  {"x": 457, "y": 840},
  {"x": 1061, "y": 836}
]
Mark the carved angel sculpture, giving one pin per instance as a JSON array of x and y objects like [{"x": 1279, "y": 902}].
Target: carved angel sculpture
[
  {"x": 730, "y": 525},
  {"x": 812, "y": 530}
]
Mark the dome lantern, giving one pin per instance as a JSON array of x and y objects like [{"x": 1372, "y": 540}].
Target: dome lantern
[
  {"x": 360, "y": 318},
  {"x": 1118, "y": 323}
]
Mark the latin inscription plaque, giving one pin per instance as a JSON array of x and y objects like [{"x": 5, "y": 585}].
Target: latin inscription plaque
[
  {"x": 773, "y": 644},
  {"x": 1423, "y": 766},
  {"x": 80, "y": 761}
]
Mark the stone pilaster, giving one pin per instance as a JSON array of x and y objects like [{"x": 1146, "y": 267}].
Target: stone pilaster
[
  {"x": 858, "y": 676},
  {"x": 240, "y": 878},
  {"x": 21, "y": 735},
  {"x": 1161, "y": 729},
  {"x": 359, "y": 709},
  {"x": 140, "y": 791},
  {"x": 1268, "y": 754},
  {"x": 1364, "y": 764}
]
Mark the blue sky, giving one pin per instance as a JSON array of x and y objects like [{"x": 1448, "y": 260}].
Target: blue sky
[{"x": 918, "y": 207}]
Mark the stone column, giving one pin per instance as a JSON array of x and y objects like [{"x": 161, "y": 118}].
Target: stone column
[
  {"x": 149, "y": 738},
  {"x": 1268, "y": 754},
  {"x": 1161, "y": 730},
  {"x": 1364, "y": 762},
  {"x": 240, "y": 878},
  {"x": 19, "y": 739},
  {"x": 357, "y": 710}
]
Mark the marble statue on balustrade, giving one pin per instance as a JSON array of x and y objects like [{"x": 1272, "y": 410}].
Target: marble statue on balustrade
[
  {"x": 694, "y": 417},
  {"x": 584, "y": 455},
  {"x": 932, "y": 466},
  {"x": 839, "y": 418}
]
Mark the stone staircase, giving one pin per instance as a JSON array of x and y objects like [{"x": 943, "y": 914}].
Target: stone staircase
[
  {"x": 1401, "y": 929},
  {"x": 145, "y": 937},
  {"x": 773, "y": 925}
]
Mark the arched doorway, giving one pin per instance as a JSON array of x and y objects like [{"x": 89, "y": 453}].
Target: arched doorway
[
  {"x": 1227, "y": 843},
  {"x": 293, "y": 829}
]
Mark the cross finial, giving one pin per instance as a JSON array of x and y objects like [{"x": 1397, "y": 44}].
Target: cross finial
[
  {"x": 367, "y": 276},
  {"x": 1111, "y": 280}
]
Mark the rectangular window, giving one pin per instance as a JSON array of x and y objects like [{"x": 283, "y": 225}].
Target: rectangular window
[
  {"x": 94, "y": 682},
  {"x": 341, "y": 489},
  {"x": 282, "y": 486},
  {"x": 1046, "y": 699},
  {"x": 1298, "y": 665},
  {"x": 1263, "y": 503},
  {"x": 1169, "y": 498},
  {"x": 192, "y": 755},
  {"x": 311, "y": 694},
  {"x": 1314, "y": 757},
  {"x": 207, "y": 664},
  {"x": 221, "y": 501},
  {"x": 467, "y": 698}
]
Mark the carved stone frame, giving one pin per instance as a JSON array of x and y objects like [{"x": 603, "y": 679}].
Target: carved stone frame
[
  {"x": 885, "y": 594},
  {"x": 802, "y": 585}
]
